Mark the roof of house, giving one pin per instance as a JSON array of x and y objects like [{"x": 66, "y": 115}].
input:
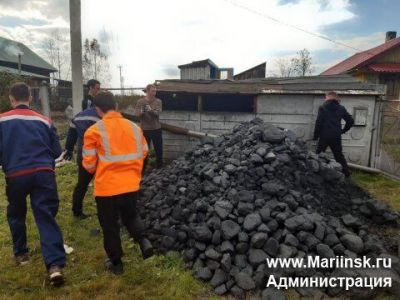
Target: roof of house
[
  {"x": 199, "y": 64},
  {"x": 23, "y": 73},
  {"x": 10, "y": 49},
  {"x": 261, "y": 66},
  {"x": 362, "y": 58},
  {"x": 385, "y": 68},
  {"x": 343, "y": 84}
]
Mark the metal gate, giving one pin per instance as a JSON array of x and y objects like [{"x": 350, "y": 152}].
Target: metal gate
[{"x": 390, "y": 138}]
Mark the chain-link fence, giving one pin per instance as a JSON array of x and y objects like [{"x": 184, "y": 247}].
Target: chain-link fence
[{"x": 61, "y": 97}]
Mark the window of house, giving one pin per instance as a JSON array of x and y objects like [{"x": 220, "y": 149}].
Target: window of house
[
  {"x": 223, "y": 74},
  {"x": 228, "y": 103}
]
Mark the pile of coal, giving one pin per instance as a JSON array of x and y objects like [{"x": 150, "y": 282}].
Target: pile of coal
[{"x": 257, "y": 193}]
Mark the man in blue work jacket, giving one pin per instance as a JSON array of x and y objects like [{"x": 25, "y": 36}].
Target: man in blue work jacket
[
  {"x": 79, "y": 124},
  {"x": 29, "y": 145}
]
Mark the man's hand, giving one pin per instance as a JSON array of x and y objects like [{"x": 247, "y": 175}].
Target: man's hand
[
  {"x": 67, "y": 155},
  {"x": 146, "y": 108}
]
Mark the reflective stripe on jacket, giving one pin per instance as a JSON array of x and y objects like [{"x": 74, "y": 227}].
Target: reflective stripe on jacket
[
  {"x": 80, "y": 123},
  {"x": 114, "y": 148},
  {"x": 28, "y": 141}
]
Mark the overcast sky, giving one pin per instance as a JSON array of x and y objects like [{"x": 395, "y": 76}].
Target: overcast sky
[{"x": 150, "y": 38}]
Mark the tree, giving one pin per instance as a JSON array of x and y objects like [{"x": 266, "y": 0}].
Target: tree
[
  {"x": 302, "y": 64},
  {"x": 57, "y": 49},
  {"x": 284, "y": 66},
  {"x": 95, "y": 61}
]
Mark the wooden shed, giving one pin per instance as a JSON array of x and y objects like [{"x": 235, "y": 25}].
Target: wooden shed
[{"x": 204, "y": 70}]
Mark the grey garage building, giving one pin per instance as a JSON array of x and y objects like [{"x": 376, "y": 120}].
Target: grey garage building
[{"x": 216, "y": 106}]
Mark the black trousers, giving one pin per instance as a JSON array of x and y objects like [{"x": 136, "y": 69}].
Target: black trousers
[
  {"x": 336, "y": 148},
  {"x": 109, "y": 209},
  {"x": 84, "y": 178},
  {"x": 155, "y": 137}
]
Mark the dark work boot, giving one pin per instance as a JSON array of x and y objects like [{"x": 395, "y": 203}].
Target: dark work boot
[
  {"x": 146, "y": 247},
  {"x": 346, "y": 172},
  {"x": 116, "y": 269},
  {"x": 56, "y": 276},
  {"x": 22, "y": 259},
  {"x": 81, "y": 216}
]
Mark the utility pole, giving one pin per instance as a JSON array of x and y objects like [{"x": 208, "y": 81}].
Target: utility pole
[
  {"x": 121, "y": 80},
  {"x": 95, "y": 64},
  {"x": 59, "y": 64},
  {"x": 76, "y": 54},
  {"x": 19, "y": 63}
]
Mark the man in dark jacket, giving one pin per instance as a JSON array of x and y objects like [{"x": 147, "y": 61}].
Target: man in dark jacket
[
  {"x": 79, "y": 124},
  {"x": 94, "y": 88},
  {"x": 29, "y": 145},
  {"x": 82, "y": 121},
  {"x": 328, "y": 128}
]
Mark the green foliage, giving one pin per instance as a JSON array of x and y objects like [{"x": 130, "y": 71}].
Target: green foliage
[{"x": 6, "y": 80}]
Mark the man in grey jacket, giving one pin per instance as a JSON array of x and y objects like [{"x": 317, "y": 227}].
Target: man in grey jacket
[{"x": 148, "y": 110}]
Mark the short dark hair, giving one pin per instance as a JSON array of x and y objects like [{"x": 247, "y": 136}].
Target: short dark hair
[
  {"x": 92, "y": 83},
  {"x": 105, "y": 101},
  {"x": 20, "y": 91},
  {"x": 332, "y": 94}
]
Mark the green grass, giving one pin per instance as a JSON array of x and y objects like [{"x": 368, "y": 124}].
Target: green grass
[
  {"x": 380, "y": 187},
  {"x": 384, "y": 189},
  {"x": 160, "y": 277}
]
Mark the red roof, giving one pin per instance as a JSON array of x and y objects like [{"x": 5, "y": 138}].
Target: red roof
[
  {"x": 385, "y": 68},
  {"x": 361, "y": 58}
]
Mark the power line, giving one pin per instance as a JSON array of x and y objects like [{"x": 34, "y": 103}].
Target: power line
[{"x": 291, "y": 25}]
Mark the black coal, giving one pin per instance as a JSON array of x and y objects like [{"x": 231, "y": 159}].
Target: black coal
[{"x": 254, "y": 193}]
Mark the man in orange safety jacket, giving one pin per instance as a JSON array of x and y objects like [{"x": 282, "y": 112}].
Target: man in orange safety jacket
[{"x": 114, "y": 150}]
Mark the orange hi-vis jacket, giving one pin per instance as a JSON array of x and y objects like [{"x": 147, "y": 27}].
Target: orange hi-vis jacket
[{"x": 114, "y": 149}]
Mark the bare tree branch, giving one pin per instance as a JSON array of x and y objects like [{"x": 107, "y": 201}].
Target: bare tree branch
[
  {"x": 57, "y": 49},
  {"x": 95, "y": 62},
  {"x": 302, "y": 64}
]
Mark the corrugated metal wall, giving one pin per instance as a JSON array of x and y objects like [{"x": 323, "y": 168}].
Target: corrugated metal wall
[{"x": 196, "y": 73}]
